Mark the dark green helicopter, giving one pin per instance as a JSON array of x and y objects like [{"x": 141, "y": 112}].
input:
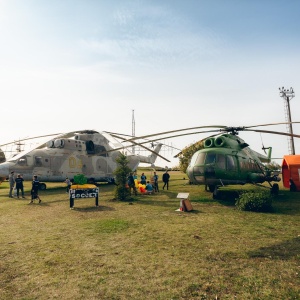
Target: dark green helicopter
[{"x": 226, "y": 159}]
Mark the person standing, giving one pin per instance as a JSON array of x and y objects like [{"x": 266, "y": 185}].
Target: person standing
[
  {"x": 166, "y": 178},
  {"x": 35, "y": 189},
  {"x": 155, "y": 182},
  {"x": 19, "y": 185},
  {"x": 11, "y": 183},
  {"x": 131, "y": 184},
  {"x": 69, "y": 183},
  {"x": 143, "y": 178}
]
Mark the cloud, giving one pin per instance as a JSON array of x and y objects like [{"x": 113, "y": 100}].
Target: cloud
[{"x": 153, "y": 36}]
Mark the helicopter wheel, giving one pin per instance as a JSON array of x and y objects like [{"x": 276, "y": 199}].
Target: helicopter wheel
[
  {"x": 42, "y": 186},
  {"x": 215, "y": 192},
  {"x": 91, "y": 181},
  {"x": 211, "y": 188},
  {"x": 275, "y": 189}
]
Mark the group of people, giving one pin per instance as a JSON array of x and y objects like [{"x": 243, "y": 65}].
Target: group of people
[
  {"x": 17, "y": 184},
  {"x": 150, "y": 186}
]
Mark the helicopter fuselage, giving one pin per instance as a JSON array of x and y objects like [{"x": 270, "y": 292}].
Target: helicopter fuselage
[
  {"x": 90, "y": 154},
  {"x": 227, "y": 160}
]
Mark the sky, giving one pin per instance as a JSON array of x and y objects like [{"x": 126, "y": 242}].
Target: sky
[{"x": 70, "y": 65}]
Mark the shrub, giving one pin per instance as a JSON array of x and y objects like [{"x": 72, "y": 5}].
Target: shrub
[
  {"x": 80, "y": 179},
  {"x": 121, "y": 190},
  {"x": 255, "y": 201}
]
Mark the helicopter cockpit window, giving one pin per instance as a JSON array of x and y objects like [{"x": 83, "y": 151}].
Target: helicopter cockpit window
[
  {"x": 200, "y": 159},
  {"x": 230, "y": 162},
  {"x": 197, "y": 159},
  {"x": 92, "y": 148},
  {"x": 100, "y": 150},
  {"x": 221, "y": 162},
  {"x": 22, "y": 161},
  {"x": 210, "y": 158}
]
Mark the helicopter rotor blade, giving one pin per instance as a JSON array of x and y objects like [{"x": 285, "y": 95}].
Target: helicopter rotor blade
[
  {"x": 162, "y": 138},
  {"x": 173, "y": 131},
  {"x": 30, "y": 138},
  {"x": 271, "y": 124},
  {"x": 274, "y": 132},
  {"x": 138, "y": 144},
  {"x": 178, "y": 154}
]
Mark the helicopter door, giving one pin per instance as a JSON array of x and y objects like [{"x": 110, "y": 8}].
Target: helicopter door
[
  {"x": 231, "y": 167},
  {"x": 210, "y": 161}
]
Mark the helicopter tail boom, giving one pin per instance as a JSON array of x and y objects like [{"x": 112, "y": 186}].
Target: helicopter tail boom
[{"x": 152, "y": 157}]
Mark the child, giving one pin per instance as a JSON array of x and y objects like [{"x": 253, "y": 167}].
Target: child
[
  {"x": 35, "y": 189},
  {"x": 69, "y": 183}
]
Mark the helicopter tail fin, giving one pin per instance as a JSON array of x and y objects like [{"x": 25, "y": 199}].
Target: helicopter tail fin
[
  {"x": 154, "y": 154},
  {"x": 264, "y": 158},
  {"x": 270, "y": 153},
  {"x": 152, "y": 157}
]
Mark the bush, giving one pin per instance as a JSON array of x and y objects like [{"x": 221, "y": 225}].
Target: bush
[
  {"x": 121, "y": 173},
  {"x": 255, "y": 201},
  {"x": 80, "y": 179}
]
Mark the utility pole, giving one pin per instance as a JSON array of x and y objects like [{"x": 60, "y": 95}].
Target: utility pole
[
  {"x": 133, "y": 129},
  {"x": 288, "y": 95}
]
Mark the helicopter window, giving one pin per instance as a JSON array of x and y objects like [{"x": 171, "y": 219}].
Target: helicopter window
[
  {"x": 252, "y": 165},
  {"x": 198, "y": 159},
  {"x": 100, "y": 150},
  {"x": 22, "y": 161},
  {"x": 230, "y": 162},
  {"x": 90, "y": 147},
  {"x": 38, "y": 161},
  {"x": 221, "y": 162},
  {"x": 210, "y": 158}
]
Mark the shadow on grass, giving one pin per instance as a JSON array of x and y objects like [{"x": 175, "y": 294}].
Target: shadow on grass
[
  {"x": 155, "y": 202},
  {"x": 228, "y": 198},
  {"x": 93, "y": 208},
  {"x": 282, "y": 251}
]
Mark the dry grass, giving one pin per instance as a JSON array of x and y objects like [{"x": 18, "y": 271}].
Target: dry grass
[{"x": 144, "y": 249}]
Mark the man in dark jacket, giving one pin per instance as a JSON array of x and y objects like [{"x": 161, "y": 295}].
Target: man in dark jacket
[
  {"x": 131, "y": 184},
  {"x": 166, "y": 178},
  {"x": 35, "y": 189},
  {"x": 19, "y": 185}
]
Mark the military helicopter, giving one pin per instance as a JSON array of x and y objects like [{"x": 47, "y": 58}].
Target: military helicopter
[
  {"x": 226, "y": 159},
  {"x": 86, "y": 152}
]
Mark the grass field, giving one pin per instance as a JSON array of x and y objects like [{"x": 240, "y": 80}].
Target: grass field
[{"x": 145, "y": 249}]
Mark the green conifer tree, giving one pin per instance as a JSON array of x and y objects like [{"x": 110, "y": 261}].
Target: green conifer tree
[{"x": 121, "y": 174}]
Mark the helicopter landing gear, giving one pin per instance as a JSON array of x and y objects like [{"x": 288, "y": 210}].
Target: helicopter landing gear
[
  {"x": 275, "y": 189},
  {"x": 211, "y": 188},
  {"x": 42, "y": 186},
  {"x": 215, "y": 192},
  {"x": 91, "y": 181}
]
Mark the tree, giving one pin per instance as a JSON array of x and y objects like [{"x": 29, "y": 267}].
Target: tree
[
  {"x": 273, "y": 166},
  {"x": 187, "y": 153},
  {"x": 121, "y": 190}
]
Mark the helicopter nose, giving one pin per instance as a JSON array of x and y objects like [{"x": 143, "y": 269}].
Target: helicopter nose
[
  {"x": 196, "y": 174},
  {"x": 4, "y": 171}
]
